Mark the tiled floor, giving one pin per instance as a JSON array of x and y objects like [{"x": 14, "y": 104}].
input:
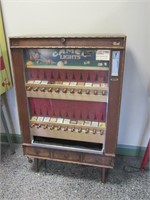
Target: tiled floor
[{"x": 69, "y": 181}]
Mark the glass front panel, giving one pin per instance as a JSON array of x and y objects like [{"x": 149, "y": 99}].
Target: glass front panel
[{"x": 67, "y": 92}]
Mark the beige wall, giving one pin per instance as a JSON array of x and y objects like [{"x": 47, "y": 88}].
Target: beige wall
[{"x": 95, "y": 17}]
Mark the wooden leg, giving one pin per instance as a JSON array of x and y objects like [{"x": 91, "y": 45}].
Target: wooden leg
[
  {"x": 103, "y": 175},
  {"x": 36, "y": 164}
]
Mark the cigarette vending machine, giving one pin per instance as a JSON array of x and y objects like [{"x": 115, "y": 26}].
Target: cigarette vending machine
[{"x": 68, "y": 93}]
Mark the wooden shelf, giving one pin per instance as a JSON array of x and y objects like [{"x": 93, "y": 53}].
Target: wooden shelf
[
  {"x": 63, "y": 124},
  {"x": 96, "y": 94},
  {"x": 54, "y": 85},
  {"x": 95, "y": 134},
  {"x": 67, "y": 135}
]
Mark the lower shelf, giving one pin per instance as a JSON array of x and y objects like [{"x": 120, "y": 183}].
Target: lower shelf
[{"x": 68, "y": 135}]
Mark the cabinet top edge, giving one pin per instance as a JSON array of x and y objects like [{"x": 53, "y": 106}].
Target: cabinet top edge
[{"x": 69, "y": 36}]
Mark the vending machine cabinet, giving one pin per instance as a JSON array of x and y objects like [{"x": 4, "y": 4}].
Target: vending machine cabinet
[{"x": 69, "y": 93}]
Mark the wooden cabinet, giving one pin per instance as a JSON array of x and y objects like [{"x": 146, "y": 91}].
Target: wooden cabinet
[{"x": 69, "y": 92}]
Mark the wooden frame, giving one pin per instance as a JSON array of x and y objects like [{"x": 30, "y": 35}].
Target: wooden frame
[{"x": 113, "y": 43}]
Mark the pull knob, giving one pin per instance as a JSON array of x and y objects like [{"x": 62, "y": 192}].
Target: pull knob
[
  {"x": 58, "y": 128},
  {"x": 72, "y": 129},
  {"x": 103, "y": 92},
  {"x": 57, "y": 90},
  {"x": 72, "y": 91},
  {"x": 50, "y": 89},
  {"x": 87, "y": 91},
  {"x": 80, "y": 91},
  {"x": 66, "y": 128},
  {"x": 45, "y": 126},
  {"x": 94, "y": 131},
  {"x": 32, "y": 125},
  {"x": 43, "y": 89},
  {"x": 101, "y": 132},
  {"x": 35, "y": 89},
  {"x": 87, "y": 130},
  {"x": 51, "y": 127},
  {"x": 29, "y": 88},
  {"x": 64, "y": 90},
  {"x": 80, "y": 130},
  {"x": 39, "y": 125},
  {"x": 95, "y": 92}
]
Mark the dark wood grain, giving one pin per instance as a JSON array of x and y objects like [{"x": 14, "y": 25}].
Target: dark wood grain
[
  {"x": 19, "y": 74},
  {"x": 67, "y": 42}
]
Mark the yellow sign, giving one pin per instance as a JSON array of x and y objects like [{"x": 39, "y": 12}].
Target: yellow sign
[{"x": 5, "y": 77}]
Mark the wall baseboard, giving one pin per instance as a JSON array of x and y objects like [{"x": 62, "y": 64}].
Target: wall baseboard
[{"x": 125, "y": 150}]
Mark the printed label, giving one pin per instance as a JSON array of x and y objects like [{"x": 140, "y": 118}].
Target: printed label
[
  {"x": 95, "y": 124},
  {"x": 96, "y": 84},
  {"x": 80, "y": 122},
  {"x": 37, "y": 82},
  {"x": 46, "y": 119},
  {"x": 53, "y": 119},
  {"x": 40, "y": 119},
  {"x": 34, "y": 118},
  {"x": 60, "y": 120},
  {"x": 102, "y": 125},
  {"x": 44, "y": 82},
  {"x": 73, "y": 83},
  {"x": 87, "y": 123},
  {"x": 66, "y": 121},
  {"x": 31, "y": 82},
  {"x": 103, "y": 55},
  {"x": 88, "y": 84},
  {"x": 65, "y": 83}
]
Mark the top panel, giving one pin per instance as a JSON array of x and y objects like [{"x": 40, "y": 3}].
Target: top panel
[{"x": 102, "y": 41}]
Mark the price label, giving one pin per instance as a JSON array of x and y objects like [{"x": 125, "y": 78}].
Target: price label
[
  {"x": 88, "y": 84},
  {"x": 103, "y": 55},
  {"x": 37, "y": 82},
  {"x": 53, "y": 119},
  {"x": 66, "y": 121},
  {"x": 60, "y": 120},
  {"x": 44, "y": 82},
  {"x": 46, "y": 119},
  {"x": 40, "y": 119},
  {"x": 34, "y": 118}
]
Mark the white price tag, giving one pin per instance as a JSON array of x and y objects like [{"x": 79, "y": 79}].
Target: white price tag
[
  {"x": 65, "y": 83},
  {"x": 66, "y": 121},
  {"x": 40, "y": 119},
  {"x": 37, "y": 82},
  {"x": 102, "y": 125},
  {"x": 95, "y": 124},
  {"x": 44, "y": 82},
  {"x": 60, "y": 120},
  {"x": 34, "y": 118},
  {"x": 31, "y": 82},
  {"x": 80, "y": 122},
  {"x": 53, "y": 119},
  {"x": 95, "y": 84},
  {"x": 103, "y": 55},
  {"x": 87, "y": 123},
  {"x": 73, "y": 83},
  {"x": 46, "y": 119},
  {"x": 88, "y": 84}
]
